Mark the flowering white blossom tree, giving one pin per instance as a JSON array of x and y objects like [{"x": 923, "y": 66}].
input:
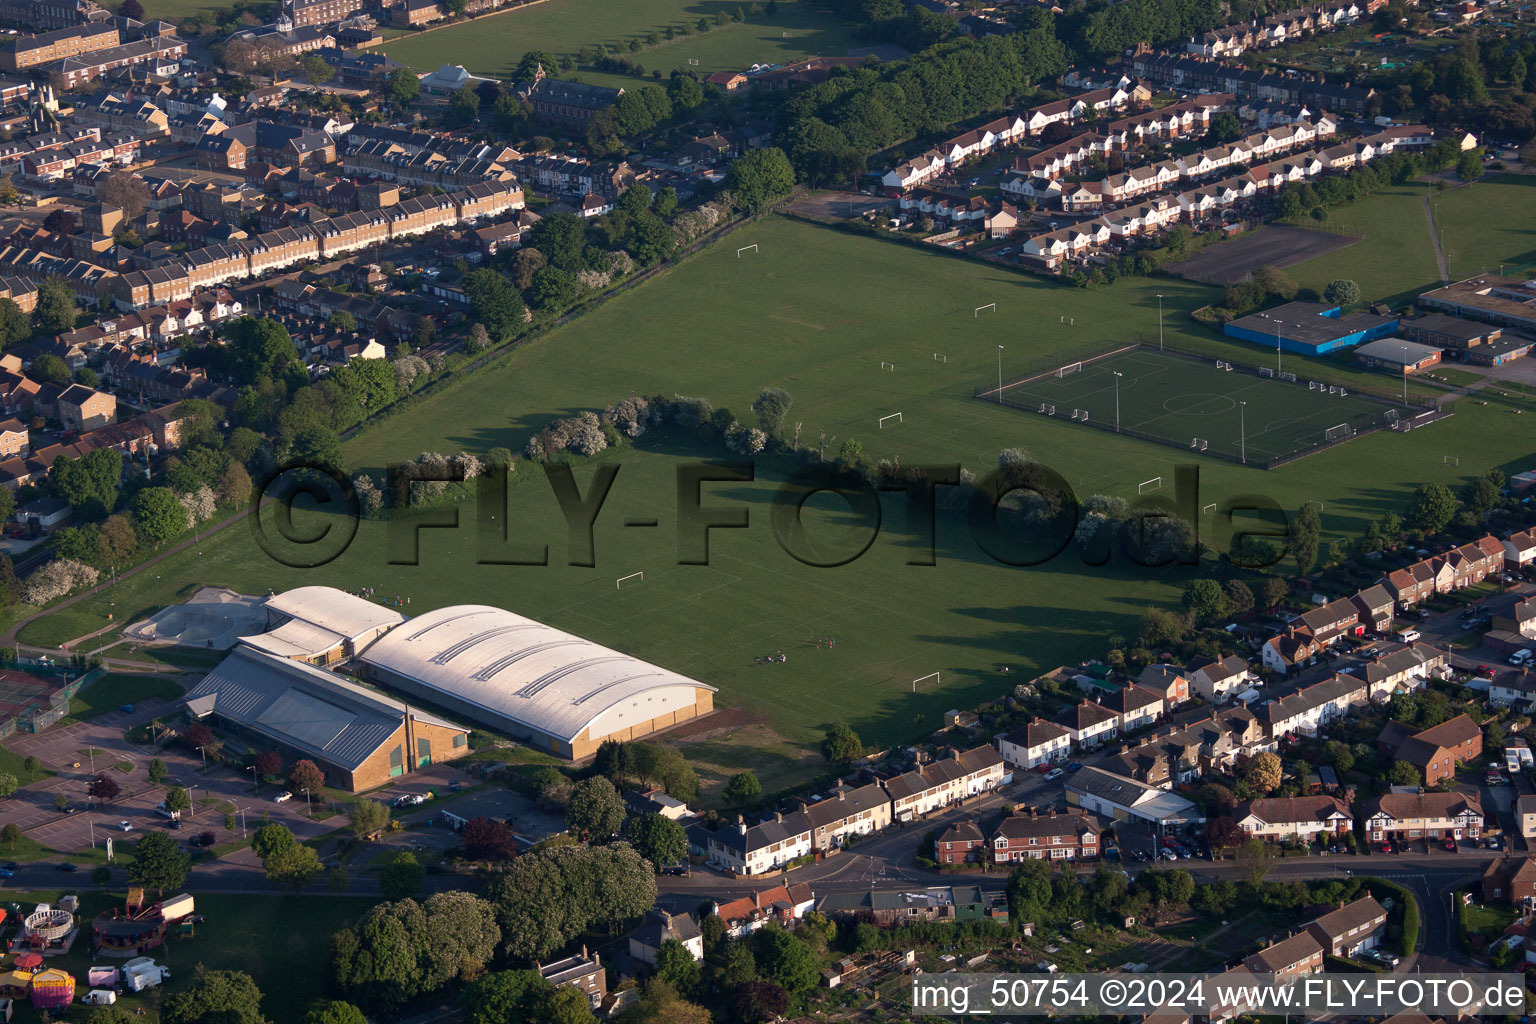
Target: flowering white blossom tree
[{"x": 59, "y": 577}]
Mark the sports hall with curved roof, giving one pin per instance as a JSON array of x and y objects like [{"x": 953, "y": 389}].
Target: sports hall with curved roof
[{"x": 534, "y": 682}]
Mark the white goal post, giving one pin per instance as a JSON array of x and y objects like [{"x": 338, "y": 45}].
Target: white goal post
[
  {"x": 1341, "y": 430},
  {"x": 1070, "y": 321},
  {"x": 940, "y": 357},
  {"x": 991, "y": 305},
  {"x": 887, "y": 366},
  {"x": 1069, "y": 368},
  {"x": 1155, "y": 484},
  {"x": 936, "y": 677},
  {"x": 1453, "y": 460},
  {"x": 693, "y": 62},
  {"x": 745, "y": 248},
  {"x": 618, "y": 584},
  {"x": 1314, "y": 501},
  {"x": 1209, "y": 510},
  {"x": 893, "y": 416}
]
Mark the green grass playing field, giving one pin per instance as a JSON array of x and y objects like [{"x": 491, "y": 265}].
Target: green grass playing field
[
  {"x": 816, "y": 311},
  {"x": 1482, "y": 225},
  {"x": 1196, "y": 404},
  {"x": 492, "y": 46}
]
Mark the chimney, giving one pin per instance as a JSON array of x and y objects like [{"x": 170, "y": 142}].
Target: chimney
[
  {"x": 583, "y": 950},
  {"x": 842, "y": 794},
  {"x": 741, "y": 824},
  {"x": 778, "y": 816}
]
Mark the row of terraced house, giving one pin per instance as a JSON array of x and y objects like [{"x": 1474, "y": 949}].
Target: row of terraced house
[
  {"x": 271, "y": 251},
  {"x": 1006, "y": 131},
  {"x": 825, "y": 823},
  {"x": 1052, "y": 248}
]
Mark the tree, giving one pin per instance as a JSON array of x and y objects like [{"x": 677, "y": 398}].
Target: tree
[
  {"x": 367, "y": 817},
  {"x": 178, "y": 800},
  {"x": 488, "y": 839},
  {"x": 1433, "y": 507},
  {"x": 771, "y": 406},
  {"x": 1306, "y": 535},
  {"x": 259, "y": 348},
  {"x": 14, "y": 326},
  {"x": 660, "y": 1004},
  {"x": 215, "y": 997},
  {"x": 333, "y": 1011},
  {"x": 1205, "y": 601},
  {"x": 841, "y": 745},
  {"x": 554, "y": 289},
  {"x": 546, "y": 899},
  {"x": 1482, "y": 494},
  {"x": 759, "y": 177},
  {"x": 657, "y": 838},
  {"x": 402, "y": 87},
  {"x": 496, "y": 302},
  {"x": 1255, "y": 857},
  {"x": 675, "y": 965},
  {"x": 785, "y": 959},
  {"x": 8, "y": 785},
  {"x": 1263, "y": 772},
  {"x": 1222, "y": 833},
  {"x": 9, "y": 834},
  {"x": 1469, "y": 167},
  {"x": 1404, "y": 774},
  {"x": 89, "y": 483},
  {"x": 341, "y": 321},
  {"x": 596, "y": 811},
  {"x": 159, "y": 863},
  {"x": 502, "y": 996},
  {"x": 272, "y": 838},
  {"x": 1342, "y": 292},
  {"x": 402, "y": 876},
  {"x": 125, "y": 190},
  {"x": 405, "y": 949},
  {"x": 306, "y": 776},
  {"x": 294, "y": 866},
  {"x": 50, "y": 369},
  {"x": 103, "y": 788},
  {"x": 742, "y": 789},
  {"x": 159, "y": 515},
  {"x": 117, "y": 541},
  {"x": 1225, "y": 127},
  {"x": 1239, "y": 597}
]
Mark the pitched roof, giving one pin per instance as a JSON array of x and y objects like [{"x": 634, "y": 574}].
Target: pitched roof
[
  {"x": 1285, "y": 953},
  {"x": 1340, "y": 922},
  {"x": 1402, "y": 806},
  {"x": 943, "y": 771},
  {"x": 1040, "y": 826},
  {"x": 1286, "y": 810}
]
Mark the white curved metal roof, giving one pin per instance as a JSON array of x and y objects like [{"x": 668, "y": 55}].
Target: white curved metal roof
[
  {"x": 518, "y": 668},
  {"x": 335, "y": 610}
]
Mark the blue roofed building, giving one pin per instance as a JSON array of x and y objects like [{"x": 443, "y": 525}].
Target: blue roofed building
[{"x": 1310, "y": 328}]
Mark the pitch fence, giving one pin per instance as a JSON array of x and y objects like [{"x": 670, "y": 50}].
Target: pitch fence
[{"x": 1398, "y": 414}]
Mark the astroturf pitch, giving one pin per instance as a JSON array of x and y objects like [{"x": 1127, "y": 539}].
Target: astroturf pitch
[{"x": 1191, "y": 402}]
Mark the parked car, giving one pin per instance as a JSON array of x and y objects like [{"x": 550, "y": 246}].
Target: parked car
[
  {"x": 1377, "y": 956},
  {"x": 127, "y": 709},
  {"x": 282, "y": 797},
  {"x": 124, "y": 826},
  {"x": 1386, "y": 847},
  {"x": 1042, "y": 768},
  {"x": 174, "y": 824},
  {"x": 1169, "y": 855},
  {"x": 1074, "y": 766},
  {"x": 1493, "y": 843},
  {"x": 1484, "y": 672},
  {"x": 675, "y": 869},
  {"x": 1449, "y": 844},
  {"x": 1053, "y": 774},
  {"x": 66, "y": 867},
  {"x": 11, "y": 865},
  {"x": 6, "y": 874}
]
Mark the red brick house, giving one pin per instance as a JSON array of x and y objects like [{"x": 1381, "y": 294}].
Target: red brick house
[
  {"x": 961, "y": 843},
  {"x": 1070, "y": 836},
  {"x": 1436, "y": 751}
]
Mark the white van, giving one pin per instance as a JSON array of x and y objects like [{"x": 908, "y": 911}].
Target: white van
[
  {"x": 1522, "y": 657},
  {"x": 1409, "y": 635}
]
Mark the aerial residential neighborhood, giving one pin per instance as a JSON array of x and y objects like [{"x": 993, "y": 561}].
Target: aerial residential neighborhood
[{"x": 766, "y": 513}]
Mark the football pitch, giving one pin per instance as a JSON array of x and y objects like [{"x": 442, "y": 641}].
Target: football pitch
[{"x": 1257, "y": 417}]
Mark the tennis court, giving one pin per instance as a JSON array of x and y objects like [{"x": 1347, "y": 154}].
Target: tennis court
[{"x": 1260, "y": 416}]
